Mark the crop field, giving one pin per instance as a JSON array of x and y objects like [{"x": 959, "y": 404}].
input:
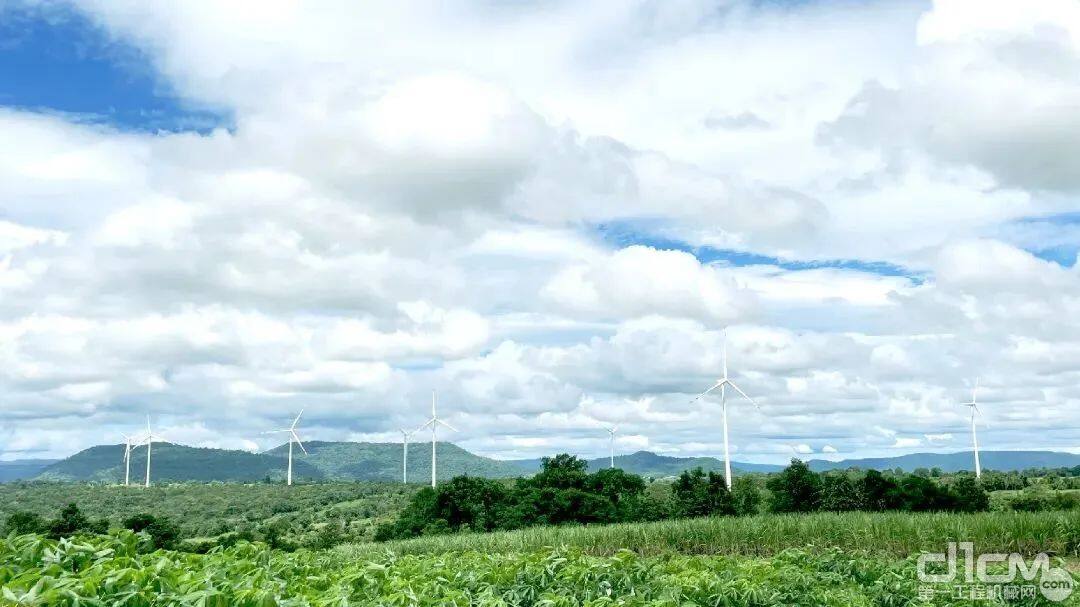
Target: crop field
[
  {"x": 895, "y": 534},
  {"x": 118, "y": 571}
]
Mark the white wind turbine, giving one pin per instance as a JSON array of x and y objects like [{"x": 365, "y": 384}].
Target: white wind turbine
[
  {"x": 129, "y": 444},
  {"x": 148, "y": 440},
  {"x": 405, "y": 434},
  {"x": 974, "y": 437},
  {"x": 293, "y": 437},
  {"x": 611, "y": 432},
  {"x": 434, "y": 423},
  {"x": 723, "y": 383}
]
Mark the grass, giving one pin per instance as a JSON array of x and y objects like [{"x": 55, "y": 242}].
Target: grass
[{"x": 894, "y": 534}]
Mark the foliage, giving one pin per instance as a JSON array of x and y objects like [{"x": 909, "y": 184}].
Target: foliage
[
  {"x": 698, "y": 494},
  {"x": 563, "y": 492},
  {"x": 161, "y": 530},
  {"x": 796, "y": 489},
  {"x": 120, "y": 571},
  {"x": 210, "y": 515},
  {"x": 892, "y": 533}
]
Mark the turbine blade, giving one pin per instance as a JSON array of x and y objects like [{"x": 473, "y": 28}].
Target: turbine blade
[
  {"x": 447, "y": 425},
  {"x": 299, "y": 443},
  {"x": 744, "y": 395},
  {"x": 699, "y": 396},
  {"x": 297, "y": 420}
]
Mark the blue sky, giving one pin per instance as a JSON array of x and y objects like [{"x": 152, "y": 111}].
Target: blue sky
[{"x": 54, "y": 59}]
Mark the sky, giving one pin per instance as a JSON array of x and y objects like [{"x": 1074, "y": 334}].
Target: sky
[{"x": 217, "y": 214}]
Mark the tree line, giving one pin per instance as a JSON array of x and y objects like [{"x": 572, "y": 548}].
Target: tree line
[{"x": 565, "y": 493}]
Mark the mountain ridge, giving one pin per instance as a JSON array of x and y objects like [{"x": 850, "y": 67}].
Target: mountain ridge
[{"x": 352, "y": 461}]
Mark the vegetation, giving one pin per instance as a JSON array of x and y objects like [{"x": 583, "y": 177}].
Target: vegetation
[
  {"x": 122, "y": 570},
  {"x": 209, "y": 515},
  {"x": 891, "y": 533},
  {"x": 563, "y": 492}
]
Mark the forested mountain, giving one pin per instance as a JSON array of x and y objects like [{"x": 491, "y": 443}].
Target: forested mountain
[
  {"x": 648, "y": 464},
  {"x": 1004, "y": 461},
  {"x": 171, "y": 462},
  {"x": 382, "y": 461},
  {"x": 23, "y": 468}
]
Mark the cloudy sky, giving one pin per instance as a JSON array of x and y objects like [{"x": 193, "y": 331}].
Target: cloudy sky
[{"x": 219, "y": 213}]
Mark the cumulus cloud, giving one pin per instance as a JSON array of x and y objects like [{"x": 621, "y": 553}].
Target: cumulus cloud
[{"x": 416, "y": 200}]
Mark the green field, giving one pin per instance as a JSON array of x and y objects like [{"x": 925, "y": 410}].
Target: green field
[
  {"x": 115, "y": 571},
  {"x": 894, "y": 534}
]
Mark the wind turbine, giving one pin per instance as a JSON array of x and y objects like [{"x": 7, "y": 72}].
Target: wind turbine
[
  {"x": 293, "y": 437},
  {"x": 611, "y": 431},
  {"x": 723, "y": 383},
  {"x": 405, "y": 434},
  {"x": 148, "y": 440},
  {"x": 129, "y": 444},
  {"x": 974, "y": 437},
  {"x": 434, "y": 423}
]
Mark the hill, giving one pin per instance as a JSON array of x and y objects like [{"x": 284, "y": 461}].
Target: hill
[
  {"x": 649, "y": 464},
  {"x": 173, "y": 463},
  {"x": 382, "y": 461},
  {"x": 23, "y": 468},
  {"x": 1004, "y": 461}
]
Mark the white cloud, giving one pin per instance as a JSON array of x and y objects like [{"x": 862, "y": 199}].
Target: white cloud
[{"x": 415, "y": 200}]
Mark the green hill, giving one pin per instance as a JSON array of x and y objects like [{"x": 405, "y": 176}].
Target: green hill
[
  {"x": 382, "y": 461},
  {"x": 173, "y": 463},
  {"x": 23, "y": 468},
  {"x": 648, "y": 464},
  {"x": 1004, "y": 461}
]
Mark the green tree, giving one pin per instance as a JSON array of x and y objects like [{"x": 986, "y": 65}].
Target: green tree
[
  {"x": 745, "y": 496},
  {"x": 839, "y": 493},
  {"x": 70, "y": 522},
  {"x": 876, "y": 492},
  {"x": 696, "y": 493},
  {"x": 161, "y": 530},
  {"x": 795, "y": 489},
  {"x": 24, "y": 523},
  {"x": 969, "y": 494}
]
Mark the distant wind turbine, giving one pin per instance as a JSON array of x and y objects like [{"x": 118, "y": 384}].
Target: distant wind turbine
[
  {"x": 293, "y": 437},
  {"x": 611, "y": 431},
  {"x": 723, "y": 383},
  {"x": 974, "y": 436},
  {"x": 405, "y": 434},
  {"x": 129, "y": 444},
  {"x": 434, "y": 423},
  {"x": 148, "y": 440}
]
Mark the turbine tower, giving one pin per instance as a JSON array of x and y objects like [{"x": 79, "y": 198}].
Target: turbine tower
[
  {"x": 293, "y": 437},
  {"x": 405, "y": 434},
  {"x": 129, "y": 444},
  {"x": 434, "y": 423},
  {"x": 723, "y": 383},
  {"x": 148, "y": 440},
  {"x": 974, "y": 437},
  {"x": 611, "y": 432}
]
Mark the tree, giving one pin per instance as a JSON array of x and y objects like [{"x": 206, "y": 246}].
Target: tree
[
  {"x": 745, "y": 496},
  {"x": 161, "y": 530},
  {"x": 795, "y": 489},
  {"x": 919, "y": 494},
  {"x": 70, "y": 522},
  {"x": 696, "y": 493},
  {"x": 969, "y": 494},
  {"x": 564, "y": 471},
  {"x": 876, "y": 493},
  {"x": 839, "y": 493},
  {"x": 25, "y": 523}
]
